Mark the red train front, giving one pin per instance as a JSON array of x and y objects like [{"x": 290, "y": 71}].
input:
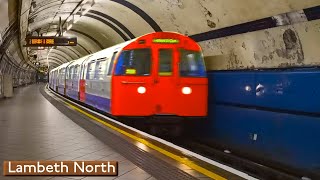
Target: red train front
[
  {"x": 157, "y": 75},
  {"x": 160, "y": 74}
]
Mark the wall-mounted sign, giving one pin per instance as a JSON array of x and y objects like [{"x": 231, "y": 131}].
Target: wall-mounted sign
[{"x": 45, "y": 41}]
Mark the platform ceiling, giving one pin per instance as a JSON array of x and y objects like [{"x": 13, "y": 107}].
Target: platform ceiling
[{"x": 103, "y": 23}]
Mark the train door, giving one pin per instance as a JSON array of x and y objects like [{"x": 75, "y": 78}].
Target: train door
[
  {"x": 82, "y": 83},
  {"x": 132, "y": 83},
  {"x": 82, "y": 80},
  {"x": 68, "y": 85},
  {"x": 165, "y": 80},
  {"x": 75, "y": 82}
]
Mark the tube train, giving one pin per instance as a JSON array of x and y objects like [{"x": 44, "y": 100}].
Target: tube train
[{"x": 160, "y": 74}]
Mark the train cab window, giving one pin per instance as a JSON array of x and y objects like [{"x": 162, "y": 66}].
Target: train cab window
[
  {"x": 111, "y": 63},
  {"x": 100, "y": 71},
  {"x": 136, "y": 62},
  {"x": 91, "y": 70},
  {"x": 191, "y": 64},
  {"x": 165, "y": 62}
]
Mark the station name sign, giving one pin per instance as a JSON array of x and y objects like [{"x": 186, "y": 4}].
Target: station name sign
[
  {"x": 60, "y": 168},
  {"x": 45, "y": 41}
]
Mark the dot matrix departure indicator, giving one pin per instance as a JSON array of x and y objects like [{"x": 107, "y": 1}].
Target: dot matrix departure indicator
[{"x": 50, "y": 41}]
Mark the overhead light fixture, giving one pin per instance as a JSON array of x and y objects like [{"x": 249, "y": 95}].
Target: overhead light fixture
[
  {"x": 84, "y": 1},
  {"x": 69, "y": 27},
  {"x": 87, "y": 8},
  {"x": 86, "y": 11},
  {"x": 76, "y": 18}
]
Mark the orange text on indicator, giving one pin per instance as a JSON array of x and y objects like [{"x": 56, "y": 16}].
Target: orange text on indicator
[{"x": 60, "y": 168}]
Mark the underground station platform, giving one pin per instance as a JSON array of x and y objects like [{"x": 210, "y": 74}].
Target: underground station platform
[
  {"x": 141, "y": 89},
  {"x": 38, "y": 124}
]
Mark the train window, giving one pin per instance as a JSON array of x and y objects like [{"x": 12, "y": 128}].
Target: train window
[
  {"x": 111, "y": 63},
  {"x": 70, "y": 72},
  {"x": 136, "y": 62},
  {"x": 76, "y": 72},
  {"x": 165, "y": 62},
  {"x": 67, "y": 73},
  {"x": 62, "y": 74},
  {"x": 100, "y": 72},
  {"x": 91, "y": 70},
  {"x": 191, "y": 64}
]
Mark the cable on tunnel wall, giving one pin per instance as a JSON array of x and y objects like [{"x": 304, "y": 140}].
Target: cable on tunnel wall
[
  {"x": 119, "y": 24},
  {"x": 72, "y": 50},
  {"x": 38, "y": 9},
  {"x": 124, "y": 37},
  {"x": 83, "y": 48},
  {"x": 312, "y": 13},
  {"x": 52, "y": 59},
  {"x": 58, "y": 59},
  {"x": 88, "y": 36},
  {"x": 8, "y": 35},
  {"x": 60, "y": 56},
  {"x": 141, "y": 13}
]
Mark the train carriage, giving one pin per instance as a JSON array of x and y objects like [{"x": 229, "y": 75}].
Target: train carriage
[
  {"x": 96, "y": 78},
  {"x": 158, "y": 74}
]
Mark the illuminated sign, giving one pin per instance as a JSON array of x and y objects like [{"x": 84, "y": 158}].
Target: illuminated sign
[
  {"x": 131, "y": 71},
  {"x": 166, "y": 41},
  {"x": 45, "y": 41}
]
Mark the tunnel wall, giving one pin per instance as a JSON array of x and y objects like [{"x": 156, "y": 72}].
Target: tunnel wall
[
  {"x": 280, "y": 122},
  {"x": 264, "y": 87},
  {"x": 19, "y": 76},
  {"x": 12, "y": 65}
]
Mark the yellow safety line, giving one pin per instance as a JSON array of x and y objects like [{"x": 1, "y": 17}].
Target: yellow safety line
[{"x": 152, "y": 146}]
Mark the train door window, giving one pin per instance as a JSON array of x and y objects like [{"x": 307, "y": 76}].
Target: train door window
[
  {"x": 191, "y": 64},
  {"x": 111, "y": 63},
  {"x": 91, "y": 70},
  {"x": 165, "y": 62},
  {"x": 67, "y": 72},
  {"x": 101, "y": 67},
  {"x": 136, "y": 62},
  {"x": 70, "y": 72},
  {"x": 83, "y": 71},
  {"x": 62, "y": 75},
  {"x": 76, "y": 72}
]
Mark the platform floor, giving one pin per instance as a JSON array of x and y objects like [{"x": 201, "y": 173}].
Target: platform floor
[{"x": 32, "y": 128}]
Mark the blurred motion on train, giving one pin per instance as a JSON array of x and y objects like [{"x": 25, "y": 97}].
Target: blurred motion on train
[{"x": 160, "y": 74}]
